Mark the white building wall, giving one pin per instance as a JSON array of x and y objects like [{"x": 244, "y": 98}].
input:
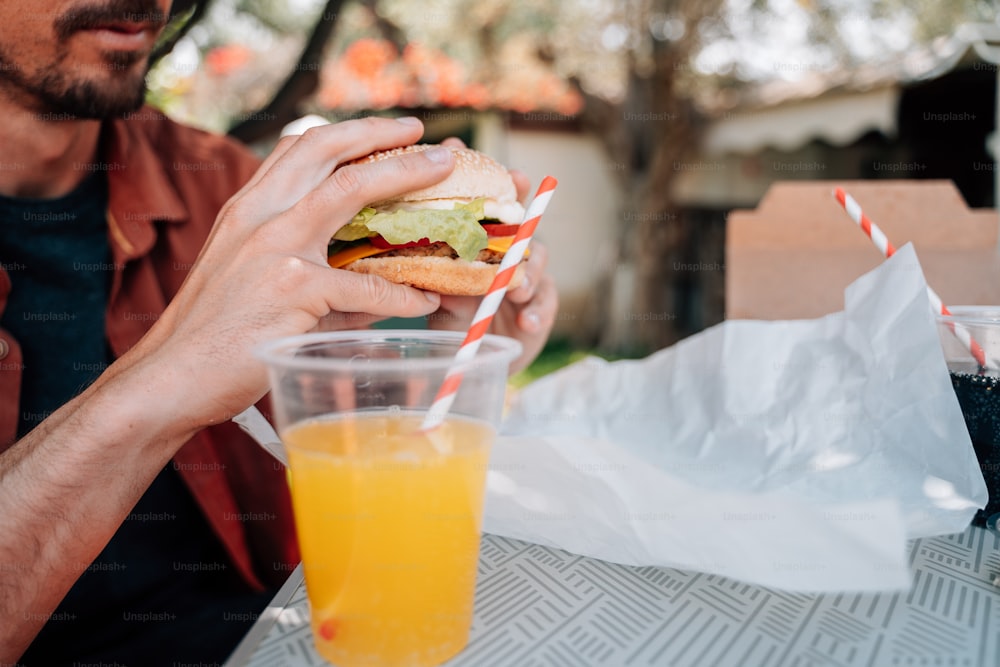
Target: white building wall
[{"x": 579, "y": 226}]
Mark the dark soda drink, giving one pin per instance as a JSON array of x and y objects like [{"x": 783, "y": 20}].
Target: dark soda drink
[{"x": 979, "y": 397}]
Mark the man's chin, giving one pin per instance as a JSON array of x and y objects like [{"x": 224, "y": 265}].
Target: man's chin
[{"x": 98, "y": 100}]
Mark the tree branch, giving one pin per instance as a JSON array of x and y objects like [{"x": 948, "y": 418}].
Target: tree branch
[
  {"x": 183, "y": 15},
  {"x": 303, "y": 81},
  {"x": 385, "y": 27}
]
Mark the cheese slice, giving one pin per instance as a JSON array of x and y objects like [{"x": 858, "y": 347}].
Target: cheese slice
[
  {"x": 499, "y": 243},
  {"x": 344, "y": 257}
]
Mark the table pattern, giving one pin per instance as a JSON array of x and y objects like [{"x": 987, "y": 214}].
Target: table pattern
[{"x": 541, "y": 607}]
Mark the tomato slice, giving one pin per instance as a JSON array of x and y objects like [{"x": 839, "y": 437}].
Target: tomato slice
[
  {"x": 381, "y": 243},
  {"x": 500, "y": 229}
]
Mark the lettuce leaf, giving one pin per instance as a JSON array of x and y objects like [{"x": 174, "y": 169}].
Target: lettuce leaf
[
  {"x": 458, "y": 227},
  {"x": 356, "y": 228}
]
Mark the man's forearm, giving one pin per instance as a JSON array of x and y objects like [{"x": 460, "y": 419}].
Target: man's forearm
[{"x": 67, "y": 487}]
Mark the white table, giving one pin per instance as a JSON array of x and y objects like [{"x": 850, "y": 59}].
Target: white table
[{"x": 537, "y": 607}]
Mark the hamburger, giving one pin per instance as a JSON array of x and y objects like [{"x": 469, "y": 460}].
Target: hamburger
[{"x": 448, "y": 238}]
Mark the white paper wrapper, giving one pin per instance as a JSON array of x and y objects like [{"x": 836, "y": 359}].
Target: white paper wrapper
[{"x": 798, "y": 455}]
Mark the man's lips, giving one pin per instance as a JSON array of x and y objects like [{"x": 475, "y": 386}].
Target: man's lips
[
  {"x": 126, "y": 27},
  {"x": 124, "y": 36}
]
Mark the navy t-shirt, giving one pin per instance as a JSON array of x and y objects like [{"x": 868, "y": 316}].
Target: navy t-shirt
[{"x": 163, "y": 590}]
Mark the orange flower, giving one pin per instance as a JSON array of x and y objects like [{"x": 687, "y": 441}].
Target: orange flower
[
  {"x": 477, "y": 96},
  {"x": 367, "y": 57},
  {"x": 223, "y": 60},
  {"x": 570, "y": 103},
  {"x": 416, "y": 55}
]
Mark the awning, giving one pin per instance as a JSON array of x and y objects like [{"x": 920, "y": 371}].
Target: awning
[{"x": 838, "y": 119}]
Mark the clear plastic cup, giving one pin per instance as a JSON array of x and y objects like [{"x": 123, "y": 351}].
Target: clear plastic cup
[
  {"x": 388, "y": 516},
  {"x": 978, "y": 392}
]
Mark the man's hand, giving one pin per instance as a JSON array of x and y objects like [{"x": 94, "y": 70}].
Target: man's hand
[
  {"x": 69, "y": 484},
  {"x": 527, "y": 312},
  {"x": 263, "y": 273}
]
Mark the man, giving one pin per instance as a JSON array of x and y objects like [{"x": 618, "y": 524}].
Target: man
[{"x": 140, "y": 262}]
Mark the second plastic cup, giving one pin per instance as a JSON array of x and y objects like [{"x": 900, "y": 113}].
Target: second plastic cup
[
  {"x": 978, "y": 392},
  {"x": 388, "y": 516}
]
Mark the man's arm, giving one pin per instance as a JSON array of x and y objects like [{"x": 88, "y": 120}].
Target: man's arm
[{"x": 67, "y": 486}]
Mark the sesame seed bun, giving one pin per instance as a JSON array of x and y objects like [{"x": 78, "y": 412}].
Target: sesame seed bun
[{"x": 476, "y": 176}]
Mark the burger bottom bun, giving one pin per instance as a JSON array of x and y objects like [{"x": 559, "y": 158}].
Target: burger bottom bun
[{"x": 443, "y": 275}]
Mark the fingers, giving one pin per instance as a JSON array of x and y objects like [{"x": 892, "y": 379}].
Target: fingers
[
  {"x": 348, "y": 292},
  {"x": 279, "y": 150},
  {"x": 307, "y": 160},
  {"x": 453, "y": 142},
  {"x": 456, "y": 312},
  {"x": 534, "y": 269},
  {"x": 345, "y": 192},
  {"x": 538, "y": 315},
  {"x": 337, "y": 321}
]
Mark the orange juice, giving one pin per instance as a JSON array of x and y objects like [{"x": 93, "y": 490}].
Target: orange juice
[{"x": 388, "y": 522}]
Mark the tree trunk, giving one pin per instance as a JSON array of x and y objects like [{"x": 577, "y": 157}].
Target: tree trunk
[
  {"x": 675, "y": 265},
  {"x": 659, "y": 233},
  {"x": 303, "y": 81}
]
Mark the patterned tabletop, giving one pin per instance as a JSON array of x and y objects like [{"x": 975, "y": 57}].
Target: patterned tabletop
[{"x": 537, "y": 606}]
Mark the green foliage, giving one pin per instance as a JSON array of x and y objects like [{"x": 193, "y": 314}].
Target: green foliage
[
  {"x": 174, "y": 28},
  {"x": 557, "y": 353}
]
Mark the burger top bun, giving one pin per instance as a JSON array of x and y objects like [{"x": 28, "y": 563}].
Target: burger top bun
[{"x": 476, "y": 175}]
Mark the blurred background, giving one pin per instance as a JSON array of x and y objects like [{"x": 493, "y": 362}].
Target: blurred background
[{"x": 658, "y": 117}]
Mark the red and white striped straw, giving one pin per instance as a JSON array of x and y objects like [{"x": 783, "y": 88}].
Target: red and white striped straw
[
  {"x": 881, "y": 242},
  {"x": 489, "y": 305}
]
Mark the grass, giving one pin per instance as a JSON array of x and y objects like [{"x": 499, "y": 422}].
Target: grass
[{"x": 556, "y": 354}]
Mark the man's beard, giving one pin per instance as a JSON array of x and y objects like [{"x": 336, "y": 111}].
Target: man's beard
[
  {"x": 118, "y": 90},
  {"x": 55, "y": 93}
]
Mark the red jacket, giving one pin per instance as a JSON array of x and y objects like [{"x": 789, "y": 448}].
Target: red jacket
[{"x": 166, "y": 183}]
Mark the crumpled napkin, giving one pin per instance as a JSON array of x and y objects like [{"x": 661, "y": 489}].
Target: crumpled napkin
[{"x": 799, "y": 455}]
